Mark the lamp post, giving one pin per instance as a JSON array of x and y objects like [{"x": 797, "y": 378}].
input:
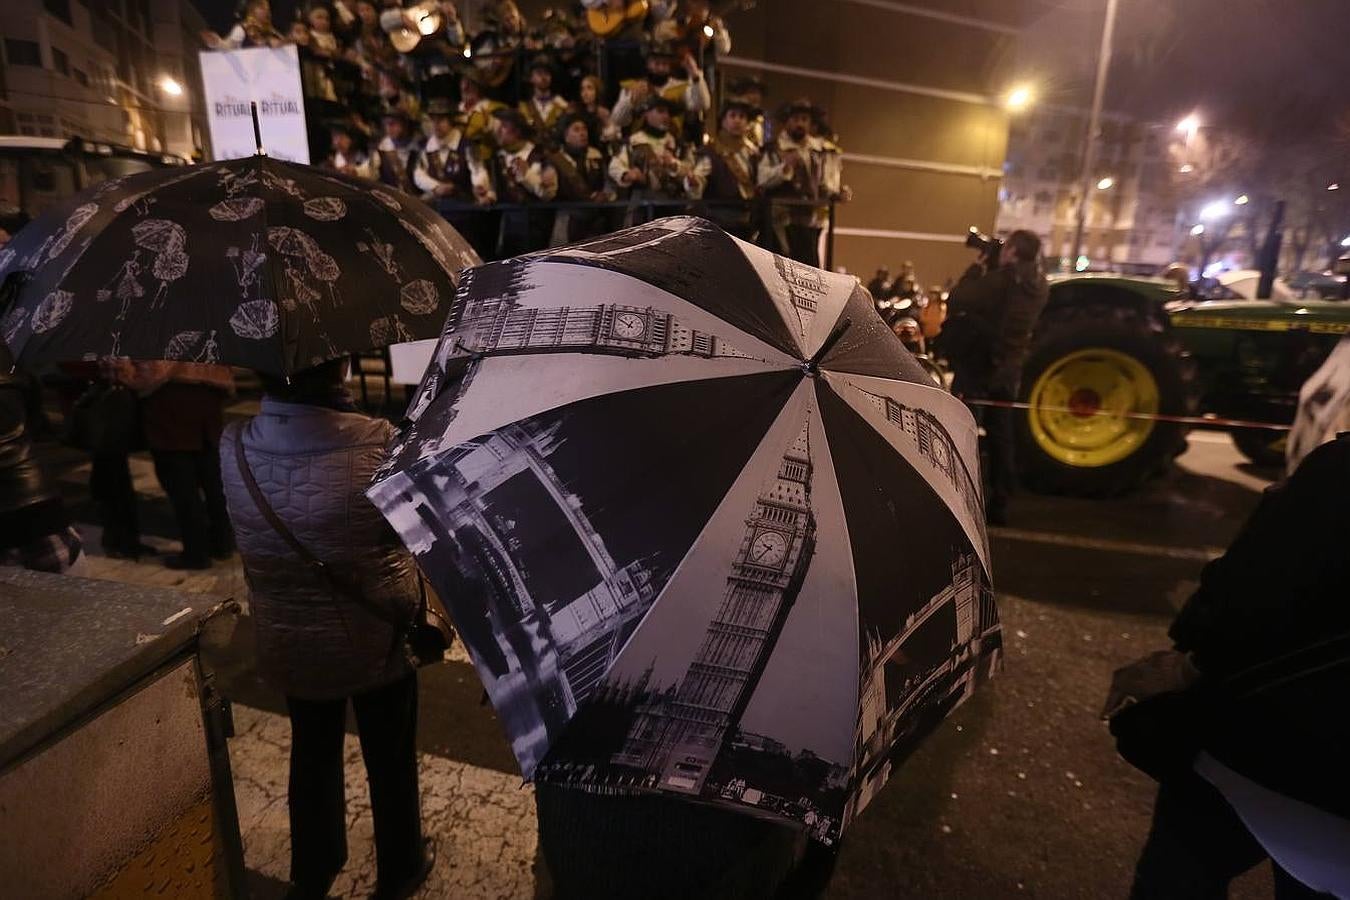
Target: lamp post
[{"x": 1094, "y": 118}]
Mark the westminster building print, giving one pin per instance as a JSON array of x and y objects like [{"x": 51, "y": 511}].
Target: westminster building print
[{"x": 676, "y": 738}]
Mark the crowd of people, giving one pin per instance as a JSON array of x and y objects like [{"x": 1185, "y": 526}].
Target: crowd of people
[{"x": 593, "y": 129}]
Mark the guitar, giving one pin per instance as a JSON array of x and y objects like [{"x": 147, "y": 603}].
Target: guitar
[{"x": 615, "y": 15}]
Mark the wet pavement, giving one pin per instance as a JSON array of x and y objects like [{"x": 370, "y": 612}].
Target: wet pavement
[{"x": 1019, "y": 793}]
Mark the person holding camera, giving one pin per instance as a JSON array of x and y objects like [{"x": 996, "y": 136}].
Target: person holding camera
[{"x": 991, "y": 313}]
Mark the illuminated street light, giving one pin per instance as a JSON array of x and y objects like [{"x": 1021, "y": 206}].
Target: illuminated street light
[
  {"x": 708, "y": 31},
  {"x": 1105, "y": 183},
  {"x": 1186, "y": 169},
  {"x": 1216, "y": 210},
  {"x": 1333, "y": 186},
  {"x": 1242, "y": 200},
  {"x": 468, "y": 52},
  {"x": 1197, "y": 230},
  {"x": 1189, "y": 125},
  {"x": 1018, "y": 99},
  {"x": 1345, "y": 241},
  {"x": 170, "y": 87}
]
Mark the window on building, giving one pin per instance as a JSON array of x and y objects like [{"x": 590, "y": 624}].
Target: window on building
[
  {"x": 58, "y": 8},
  {"x": 23, "y": 53},
  {"x": 81, "y": 76},
  {"x": 61, "y": 62}
]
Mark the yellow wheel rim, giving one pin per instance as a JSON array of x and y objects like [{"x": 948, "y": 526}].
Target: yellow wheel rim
[{"x": 1080, "y": 403}]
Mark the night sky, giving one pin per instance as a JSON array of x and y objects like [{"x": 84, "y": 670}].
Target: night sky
[{"x": 1253, "y": 65}]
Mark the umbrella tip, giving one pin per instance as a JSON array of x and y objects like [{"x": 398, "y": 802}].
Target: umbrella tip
[{"x": 257, "y": 128}]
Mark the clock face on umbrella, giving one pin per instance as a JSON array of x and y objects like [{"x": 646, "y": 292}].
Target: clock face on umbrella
[
  {"x": 769, "y": 548},
  {"x": 629, "y": 326}
]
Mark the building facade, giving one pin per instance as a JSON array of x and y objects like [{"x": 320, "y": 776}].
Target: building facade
[
  {"x": 1134, "y": 222},
  {"x": 96, "y": 69}
]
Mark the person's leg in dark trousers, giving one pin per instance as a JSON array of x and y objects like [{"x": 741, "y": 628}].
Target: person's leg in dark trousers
[
  {"x": 1197, "y": 845},
  {"x": 1002, "y": 468},
  {"x": 178, "y": 475},
  {"x": 386, "y": 719},
  {"x": 804, "y": 244},
  {"x": 111, "y": 488},
  {"x": 220, "y": 533},
  {"x": 318, "y": 802}
]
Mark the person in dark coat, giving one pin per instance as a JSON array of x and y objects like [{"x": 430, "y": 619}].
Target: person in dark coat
[
  {"x": 35, "y": 530},
  {"x": 991, "y": 314},
  {"x": 1270, "y": 778},
  {"x": 323, "y": 641},
  {"x": 182, "y": 413}
]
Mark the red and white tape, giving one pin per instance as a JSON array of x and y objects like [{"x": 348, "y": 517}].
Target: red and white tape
[{"x": 1210, "y": 421}]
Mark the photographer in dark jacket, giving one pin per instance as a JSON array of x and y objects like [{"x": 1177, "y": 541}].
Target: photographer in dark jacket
[{"x": 990, "y": 316}]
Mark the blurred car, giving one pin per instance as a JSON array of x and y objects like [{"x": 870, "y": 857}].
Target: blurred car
[{"x": 1241, "y": 284}]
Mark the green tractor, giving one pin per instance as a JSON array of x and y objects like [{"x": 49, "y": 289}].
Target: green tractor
[{"x": 1110, "y": 351}]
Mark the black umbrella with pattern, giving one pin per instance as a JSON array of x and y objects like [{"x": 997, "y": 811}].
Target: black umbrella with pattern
[{"x": 253, "y": 262}]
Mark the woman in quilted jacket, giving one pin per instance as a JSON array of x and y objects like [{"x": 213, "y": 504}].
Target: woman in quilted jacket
[{"x": 332, "y": 594}]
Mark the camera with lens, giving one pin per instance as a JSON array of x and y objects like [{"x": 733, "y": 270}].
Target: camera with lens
[{"x": 989, "y": 247}]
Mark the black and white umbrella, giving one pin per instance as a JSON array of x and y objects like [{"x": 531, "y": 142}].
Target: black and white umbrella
[
  {"x": 254, "y": 262},
  {"x": 703, "y": 523}
]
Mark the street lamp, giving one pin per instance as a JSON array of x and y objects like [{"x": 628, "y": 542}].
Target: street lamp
[
  {"x": 1018, "y": 99},
  {"x": 1197, "y": 230},
  {"x": 1189, "y": 125},
  {"x": 169, "y": 86},
  {"x": 1333, "y": 186},
  {"x": 1242, "y": 200},
  {"x": 1215, "y": 210},
  {"x": 1345, "y": 241},
  {"x": 1105, "y": 183},
  {"x": 1186, "y": 169}
]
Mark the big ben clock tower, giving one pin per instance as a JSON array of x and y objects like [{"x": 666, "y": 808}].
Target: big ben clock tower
[{"x": 677, "y": 738}]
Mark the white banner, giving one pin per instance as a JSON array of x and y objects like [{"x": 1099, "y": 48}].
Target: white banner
[{"x": 267, "y": 76}]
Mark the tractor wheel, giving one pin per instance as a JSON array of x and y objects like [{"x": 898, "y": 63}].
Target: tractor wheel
[
  {"x": 1090, "y": 372},
  {"x": 1263, "y": 446}
]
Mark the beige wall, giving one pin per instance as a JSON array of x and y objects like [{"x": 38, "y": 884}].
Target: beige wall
[{"x": 913, "y": 56}]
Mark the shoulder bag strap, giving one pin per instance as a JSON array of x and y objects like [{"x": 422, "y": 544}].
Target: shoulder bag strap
[{"x": 334, "y": 581}]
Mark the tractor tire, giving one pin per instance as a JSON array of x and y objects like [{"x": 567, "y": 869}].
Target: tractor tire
[
  {"x": 1088, "y": 370},
  {"x": 1263, "y": 446}
]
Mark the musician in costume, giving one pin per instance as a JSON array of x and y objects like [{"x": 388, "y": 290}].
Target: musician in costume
[
  {"x": 800, "y": 166},
  {"x": 254, "y": 29},
  {"x": 544, "y": 109},
  {"x": 751, "y": 91},
  {"x": 397, "y": 152},
  {"x": 688, "y": 95},
  {"x": 347, "y": 157},
  {"x": 582, "y": 178},
  {"x": 726, "y": 169},
  {"x": 451, "y": 176},
  {"x": 475, "y": 113},
  {"x": 523, "y": 175},
  {"x": 653, "y": 164}
]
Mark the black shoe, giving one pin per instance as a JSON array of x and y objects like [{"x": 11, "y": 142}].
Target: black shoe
[
  {"x": 183, "y": 561},
  {"x": 409, "y": 885}
]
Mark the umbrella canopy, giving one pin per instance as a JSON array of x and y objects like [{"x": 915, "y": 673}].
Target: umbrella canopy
[
  {"x": 254, "y": 262},
  {"x": 703, "y": 523}
]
